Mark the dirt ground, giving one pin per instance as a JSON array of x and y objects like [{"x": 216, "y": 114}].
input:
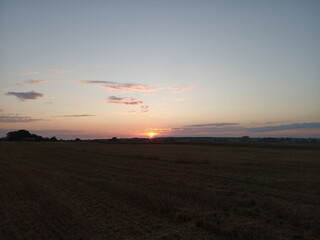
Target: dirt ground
[{"x": 82, "y": 190}]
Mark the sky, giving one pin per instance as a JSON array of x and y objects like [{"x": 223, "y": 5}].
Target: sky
[{"x": 99, "y": 69}]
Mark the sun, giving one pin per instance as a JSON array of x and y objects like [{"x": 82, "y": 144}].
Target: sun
[{"x": 151, "y": 134}]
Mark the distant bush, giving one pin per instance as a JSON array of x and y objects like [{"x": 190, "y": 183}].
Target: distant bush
[
  {"x": 19, "y": 135},
  {"x": 53, "y": 139},
  {"x": 24, "y": 135}
]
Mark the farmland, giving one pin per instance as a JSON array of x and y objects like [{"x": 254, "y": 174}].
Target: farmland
[{"x": 86, "y": 190}]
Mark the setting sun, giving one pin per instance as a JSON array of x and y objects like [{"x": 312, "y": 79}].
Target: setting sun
[{"x": 151, "y": 134}]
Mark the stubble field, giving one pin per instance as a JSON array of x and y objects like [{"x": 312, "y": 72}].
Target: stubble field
[{"x": 82, "y": 190}]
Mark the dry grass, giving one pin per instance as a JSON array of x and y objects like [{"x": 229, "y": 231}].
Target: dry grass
[{"x": 68, "y": 190}]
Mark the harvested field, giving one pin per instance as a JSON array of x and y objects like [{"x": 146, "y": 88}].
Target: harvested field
[{"x": 83, "y": 190}]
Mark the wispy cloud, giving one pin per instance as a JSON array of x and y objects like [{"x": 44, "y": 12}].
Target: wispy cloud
[
  {"x": 14, "y": 118},
  {"x": 77, "y": 116},
  {"x": 30, "y": 73},
  {"x": 122, "y": 86},
  {"x": 210, "y": 129},
  {"x": 26, "y": 95},
  {"x": 34, "y": 82},
  {"x": 207, "y": 131},
  {"x": 275, "y": 122},
  {"x": 159, "y": 130},
  {"x": 94, "y": 82},
  {"x": 134, "y": 86},
  {"x": 143, "y": 109},
  {"x": 285, "y": 127},
  {"x": 212, "y": 125},
  {"x": 48, "y": 70},
  {"x": 125, "y": 101},
  {"x": 59, "y": 71},
  {"x": 181, "y": 88}
]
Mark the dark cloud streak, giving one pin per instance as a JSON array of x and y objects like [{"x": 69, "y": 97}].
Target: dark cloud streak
[
  {"x": 125, "y": 101},
  {"x": 12, "y": 118},
  {"x": 208, "y": 129},
  {"x": 34, "y": 82},
  {"x": 26, "y": 95},
  {"x": 292, "y": 126},
  {"x": 212, "y": 125}
]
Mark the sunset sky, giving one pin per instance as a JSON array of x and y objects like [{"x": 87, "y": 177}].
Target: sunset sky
[{"x": 98, "y": 69}]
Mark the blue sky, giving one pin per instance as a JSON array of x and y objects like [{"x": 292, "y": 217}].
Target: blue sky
[{"x": 125, "y": 68}]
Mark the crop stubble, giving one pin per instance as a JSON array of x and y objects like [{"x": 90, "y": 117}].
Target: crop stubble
[{"x": 70, "y": 190}]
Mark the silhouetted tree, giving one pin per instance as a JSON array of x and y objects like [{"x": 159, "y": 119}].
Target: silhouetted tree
[
  {"x": 19, "y": 135},
  {"x": 37, "y": 137},
  {"x": 78, "y": 139},
  {"x": 24, "y": 135},
  {"x": 53, "y": 139}
]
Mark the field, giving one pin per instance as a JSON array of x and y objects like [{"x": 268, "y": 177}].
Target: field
[{"x": 83, "y": 190}]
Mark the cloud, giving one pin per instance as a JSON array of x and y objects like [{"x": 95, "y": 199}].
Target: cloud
[
  {"x": 211, "y": 129},
  {"x": 52, "y": 70},
  {"x": 93, "y": 82},
  {"x": 272, "y": 122},
  {"x": 30, "y": 73},
  {"x": 123, "y": 86},
  {"x": 33, "y": 82},
  {"x": 159, "y": 130},
  {"x": 134, "y": 86},
  {"x": 181, "y": 89},
  {"x": 14, "y": 118},
  {"x": 77, "y": 115},
  {"x": 1, "y": 110},
  {"x": 143, "y": 109},
  {"x": 59, "y": 71},
  {"x": 200, "y": 132},
  {"x": 125, "y": 101},
  {"x": 285, "y": 127},
  {"x": 26, "y": 95},
  {"x": 212, "y": 125},
  {"x": 206, "y": 131}
]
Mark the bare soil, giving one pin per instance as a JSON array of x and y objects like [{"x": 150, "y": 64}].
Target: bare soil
[{"x": 79, "y": 190}]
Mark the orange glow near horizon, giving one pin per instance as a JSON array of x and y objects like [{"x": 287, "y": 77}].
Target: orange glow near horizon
[{"x": 151, "y": 134}]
